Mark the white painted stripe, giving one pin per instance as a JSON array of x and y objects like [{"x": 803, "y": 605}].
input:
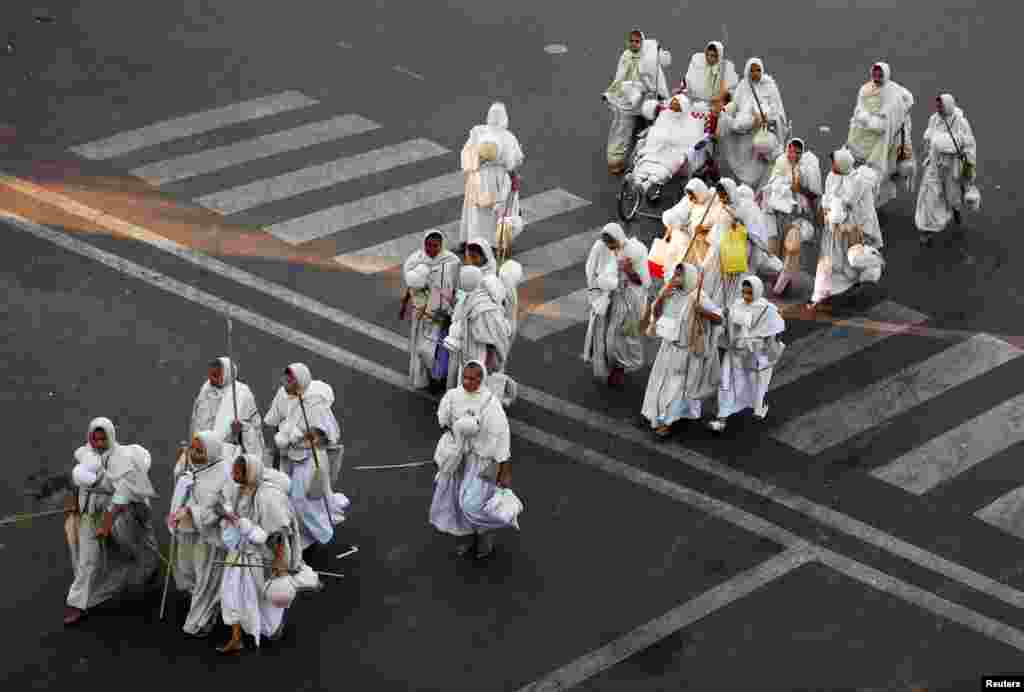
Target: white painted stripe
[
  {"x": 676, "y": 619},
  {"x": 320, "y": 176},
  {"x": 558, "y": 255},
  {"x": 1006, "y": 513},
  {"x": 555, "y": 316},
  {"x": 410, "y": 73},
  {"x": 193, "y": 124},
  {"x": 927, "y": 600},
  {"x": 957, "y": 450},
  {"x": 392, "y": 253},
  {"x": 840, "y": 420},
  {"x": 827, "y": 346},
  {"x": 342, "y": 217},
  {"x": 219, "y": 158},
  {"x": 585, "y": 417}
]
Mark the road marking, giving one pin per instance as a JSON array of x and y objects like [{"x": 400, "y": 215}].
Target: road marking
[
  {"x": 799, "y": 551},
  {"x": 1006, "y": 513},
  {"x": 676, "y": 619},
  {"x": 558, "y": 255},
  {"x": 410, "y": 73},
  {"x": 392, "y": 253},
  {"x": 320, "y": 176},
  {"x": 216, "y": 159},
  {"x": 834, "y": 423},
  {"x": 343, "y": 44},
  {"x": 957, "y": 450},
  {"x": 555, "y": 316},
  {"x": 828, "y": 346},
  {"x": 822, "y": 514},
  {"x": 342, "y": 217},
  {"x": 193, "y": 124}
]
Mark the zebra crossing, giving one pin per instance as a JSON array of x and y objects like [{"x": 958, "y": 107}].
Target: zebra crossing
[
  {"x": 335, "y": 220},
  {"x": 934, "y": 463}
]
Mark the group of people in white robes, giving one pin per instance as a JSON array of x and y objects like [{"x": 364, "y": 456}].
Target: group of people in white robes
[{"x": 239, "y": 526}]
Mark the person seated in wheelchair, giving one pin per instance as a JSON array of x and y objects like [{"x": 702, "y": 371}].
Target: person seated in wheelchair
[{"x": 665, "y": 150}]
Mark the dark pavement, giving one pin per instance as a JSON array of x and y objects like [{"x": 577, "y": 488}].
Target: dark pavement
[{"x": 598, "y": 556}]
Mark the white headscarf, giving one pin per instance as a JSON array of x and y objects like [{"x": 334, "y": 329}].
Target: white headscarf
[
  {"x": 948, "y": 104},
  {"x": 126, "y": 467},
  {"x": 760, "y": 318},
  {"x": 844, "y": 161},
  {"x": 491, "y": 267},
  {"x": 493, "y": 440},
  {"x": 497, "y": 115},
  {"x": 699, "y": 190},
  {"x": 317, "y": 397}
]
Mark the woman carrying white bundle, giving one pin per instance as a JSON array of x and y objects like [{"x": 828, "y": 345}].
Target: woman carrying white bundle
[
  {"x": 850, "y": 220},
  {"x": 490, "y": 158},
  {"x": 880, "y": 133},
  {"x": 115, "y": 540},
  {"x": 687, "y": 368},
  {"x": 480, "y": 330},
  {"x": 194, "y": 520},
  {"x": 790, "y": 202},
  {"x": 753, "y": 326},
  {"x": 431, "y": 273},
  {"x": 710, "y": 74},
  {"x": 755, "y": 125},
  {"x": 950, "y": 167},
  {"x": 473, "y": 459},
  {"x": 618, "y": 278},
  {"x": 686, "y": 231},
  {"x": 262, "y": 534}
]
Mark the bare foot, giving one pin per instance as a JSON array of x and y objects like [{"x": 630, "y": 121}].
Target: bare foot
[{"x": 232, "y": 647}]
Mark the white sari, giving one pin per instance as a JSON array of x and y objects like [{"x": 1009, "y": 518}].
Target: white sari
[
  {"x": 761, "y": 99},
  {"x": 942, "y": 183},
  {"x": 432, "y": 281},
  {"x": 488, "y": 186}
]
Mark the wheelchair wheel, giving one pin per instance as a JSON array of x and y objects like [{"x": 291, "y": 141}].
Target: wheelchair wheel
[{"x": 629, "y": 199}]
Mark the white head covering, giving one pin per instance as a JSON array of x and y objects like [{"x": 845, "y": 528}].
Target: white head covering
[
  {"x": 761, "y": 317},
  {"x": 106, "y": 426},
  {"x": 497, "y": 115},
  {"x": 948, "y": 104},
  {"x": 301, "y": 374},
  {"x": 730, "y": 187},
  {"x": 691, "y": 276},
  {"x": 886, "y": 72},
  {"x": 698, "y": 188},
  {"x": 214, "y": 447},
  {"x": 750, "y": 63},
  {"x": 720, "y": 47},
  {"x": 844, "y": 160},
  {"x": 470, "y": 278},
  {"x": 483, "y": 378},
  {"x": 615, "y": 231},
  {"x": 491, "y": 266}
]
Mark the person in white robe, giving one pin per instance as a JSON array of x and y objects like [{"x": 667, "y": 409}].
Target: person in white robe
[
  {"x": 753, "y": 326},
  {"x": 480, "y": 329},
  {"x": 754, "y": 126},
  {"x": 851, "y": 221},
  {"x": 431, "y": 274},
  {"x": 480, "y": 254},
  {"x": 116, "y": 544},
  {"x": 639, "y": 76},
  {"x": 950, "y": 166},
  {"x": 214, "y": 408},
  {"x": 306, "y": 429},
  {"x": 710, "y": 74},
  {"x": 687, "y": 368},
  {"x": 477, "y": 431},
  {"x": 194, "y": 521},
  {"x": 790, "y": 201},
  {"x": 763, "y": 260},
  {"x": 618, "y": 279},
  {"x": 490, "y": 158},
  {"x": 722, "y": 283},
  {"x": 687, "y": 228},
  {"x": 880, "y": 133},
  {"x": 261, "y": 531},
  {"x": 669, "y": 148}
]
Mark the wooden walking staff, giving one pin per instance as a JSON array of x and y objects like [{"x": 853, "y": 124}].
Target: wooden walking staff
[
  {"x": 316, "y": 460},
  {"x": 234, "y": 386}
]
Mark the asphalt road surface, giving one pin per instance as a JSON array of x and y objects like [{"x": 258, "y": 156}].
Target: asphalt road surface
[{"x": 166, "y": 165}]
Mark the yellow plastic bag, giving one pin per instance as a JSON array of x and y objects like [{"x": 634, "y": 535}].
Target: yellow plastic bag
[{"x": 734, "y": 250}]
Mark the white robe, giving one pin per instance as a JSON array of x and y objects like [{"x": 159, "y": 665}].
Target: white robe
[
  {"x": 214, "y": 410},
  {"x": 750, "y": 327},
  {"x": 436, "y": 293},
  {"x": 681, "y": 378},
  {"x": 105, "y": 569},
  {"x": 881, "y": 122},
  {"x": 738, "y": 123},
  {"x": 481, "y": 327},
  {"x": 782, "y": 208},
  {"x": 488, "y": 186},
  {"x": 855, "y": 190},
  {"x": 459, "y": 499},
  {"x": 942, "y": 183},
  {"x": 700, "y": 76},
  {"x": 614, "y": 339}
]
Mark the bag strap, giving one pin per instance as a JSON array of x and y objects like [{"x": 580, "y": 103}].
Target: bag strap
[
  {"x": 757, "y": 100},
  {"x": 956, "y": 144}
]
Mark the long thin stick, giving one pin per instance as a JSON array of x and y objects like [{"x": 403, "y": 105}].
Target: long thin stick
[
  {"x": 15, "y": 518},
  {"x": 312, "y": 446},
  {"x": 261, "y": 566},
  {"x": 234, "y": 386},
  {"x": 170, "y": 569},
  {"x": 410, "y": 465}
]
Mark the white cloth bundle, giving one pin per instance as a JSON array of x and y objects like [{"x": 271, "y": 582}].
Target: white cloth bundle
[
  {"x": 467, "y": 426},
  {"x": 418, "y": 276},
  {"x": 505, "y": 506}
]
